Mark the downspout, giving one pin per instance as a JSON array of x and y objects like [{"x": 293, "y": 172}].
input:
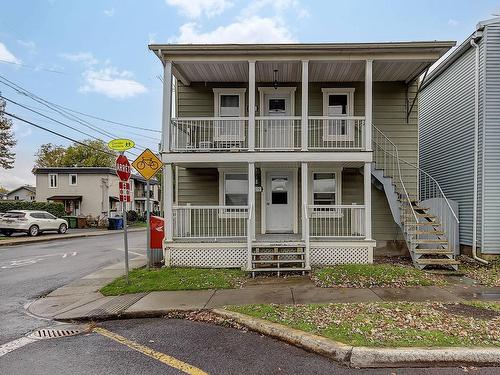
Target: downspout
[{"x": 476, "y": 147}]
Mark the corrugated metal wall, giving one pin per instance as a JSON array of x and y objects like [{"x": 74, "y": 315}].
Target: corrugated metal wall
[
  {"x": 447, "y": 135},
  {"x": 491, "y": 174}
]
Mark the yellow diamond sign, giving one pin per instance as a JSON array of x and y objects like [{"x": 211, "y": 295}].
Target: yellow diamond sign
[{"x": 147, "y": 164}]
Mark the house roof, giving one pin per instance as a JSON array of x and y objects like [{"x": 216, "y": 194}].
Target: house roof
[
  {"x": 26, "y": 187},
  {"x": 457, "y": 52},
  {"x": 393, "y": 61}
]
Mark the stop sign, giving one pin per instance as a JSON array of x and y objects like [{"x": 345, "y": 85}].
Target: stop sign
[{"x": 123, "y": 168}]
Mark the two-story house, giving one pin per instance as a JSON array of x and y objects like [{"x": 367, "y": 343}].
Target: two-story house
[
  {"x": 91, "y": 191},
  {"x": 287, "y": 156},
  {"x": 24, "y": 193}
]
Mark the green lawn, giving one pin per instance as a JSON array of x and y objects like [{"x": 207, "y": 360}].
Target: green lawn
[
  {"x": 390, "y": 324},
  {"x": 373, "y": 275},
  {"x": 143, "y": 280}
]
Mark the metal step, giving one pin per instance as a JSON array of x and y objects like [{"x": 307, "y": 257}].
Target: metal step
[
  {"x": 428, "y": 216},
  {"x": 430, "y": 232},
  {"x": 428, "y": 241},
  {"x": 437, "y": 262},
  {"x": 427, "y": 223},
  {"x": 434, "y": 251}
]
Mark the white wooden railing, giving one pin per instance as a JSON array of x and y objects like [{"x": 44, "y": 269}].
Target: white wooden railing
[
  {"x": 336, "y": 133},
  {"x": 209, "y": 133},
  {"x": 339, "y": 221},
  {"x": 210, "y": 222},
  {"x": 277, "y": 133}
]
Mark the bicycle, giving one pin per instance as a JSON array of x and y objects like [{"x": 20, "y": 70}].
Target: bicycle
[{"x": 147, "y": 161}]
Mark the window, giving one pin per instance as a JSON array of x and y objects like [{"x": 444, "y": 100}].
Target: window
[
  {"x": 229, "y": 105},
  {"x": 338, "y": 103},
  {"x": 37, "y": 215},
  {"x": 279, "y": 190},
  {"x": 16, "y": 197},
  {"x": 235, "y": 189},
  {"x": 229, "y": 102},
  {"x": 73, "y": 180},
  {"x": 52, "y": 180},
  {"x": 277, "y": 105},
  {"x": 46, "y": 215},
  {"x": 324, "y": 188}
]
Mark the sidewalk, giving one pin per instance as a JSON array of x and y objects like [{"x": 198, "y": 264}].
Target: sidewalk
[
  {"x": 81, "y": 300},
  {"x": 72, "y": 233}
]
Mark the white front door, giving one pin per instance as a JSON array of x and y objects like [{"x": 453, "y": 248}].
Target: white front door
[
  {"x": 277, "y": 132},
  {"x": 279, "y": 202}
]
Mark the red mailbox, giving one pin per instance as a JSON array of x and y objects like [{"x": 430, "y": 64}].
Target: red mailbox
[{"x": 157, "y": 228}]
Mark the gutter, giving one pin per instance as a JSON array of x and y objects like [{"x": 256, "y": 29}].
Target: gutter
[{"x": 476, "y": 147}]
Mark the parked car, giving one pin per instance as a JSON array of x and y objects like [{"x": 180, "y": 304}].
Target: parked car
[{"x": 31, "y": 222}]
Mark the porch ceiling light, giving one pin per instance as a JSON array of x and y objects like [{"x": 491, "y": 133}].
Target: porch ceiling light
[{"x": 275, "y": 79}]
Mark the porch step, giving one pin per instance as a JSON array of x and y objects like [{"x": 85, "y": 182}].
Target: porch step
[
  {"x": 437, "y": 262},
  {"x": 276, "y": 269},
  {"x": 434, "y": 251},
  {"x": 270, "y": 245},
  {"x": 279, "y": 261},
  {"x": 426, "y": 215},
  {"x": 429, "y": 223},
  {"x": 429, "y": 232},
  {"x": 278, "y": 254},
  {"x": 430, "y": 241}
]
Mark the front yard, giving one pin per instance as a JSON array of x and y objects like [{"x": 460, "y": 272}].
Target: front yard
[
  {"x": 394, "y": 324},
  {"x": 143, "y": 280},
  {"x": 488, "y": 275},
  {"x": 374, "y": 275}
]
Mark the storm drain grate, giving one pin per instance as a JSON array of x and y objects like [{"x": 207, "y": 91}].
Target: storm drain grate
[{"x": 53, "y": 333}]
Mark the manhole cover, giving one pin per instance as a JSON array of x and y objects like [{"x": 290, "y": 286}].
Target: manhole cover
[{"x": 54, "y": 333}]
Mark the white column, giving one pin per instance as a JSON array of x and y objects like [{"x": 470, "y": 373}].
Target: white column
[
  {"x": 367, "y": 175},
  {"x": 304, "y": 201},
  {"x": 368, "y": 104},
  {"x": 167, "y": 107},
  {"x": 251, "y": 105},
  {"x": 168, "y": 201},
  {"x": 305, "y": 104},
  {"x": 251, "y": 205}
]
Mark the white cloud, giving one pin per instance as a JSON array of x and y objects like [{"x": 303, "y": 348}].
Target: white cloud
[
  {"x": 112, "y": 83},
  {"x": 250, "y": 30},
  {"x": 196, "y": 8},
  {"x": 152, "y": 38},
  {"x": 279, "y": 7},
  {"x": 8, "y": 56},
  {"x": 21, "y": 131},
  {"x": 28, "y": 44},
  {"x": 84, "y": 57},
  {"x": 453, "y": 22},
  {"x": 109, "y": 12}
]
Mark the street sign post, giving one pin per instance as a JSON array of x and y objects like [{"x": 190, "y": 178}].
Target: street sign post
[
  {"x": 123, "y": 170},
  {"x": 147, "y": 164}
]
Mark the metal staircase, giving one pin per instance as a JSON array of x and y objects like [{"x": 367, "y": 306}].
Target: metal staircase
[{"x": 427, "y": 219}]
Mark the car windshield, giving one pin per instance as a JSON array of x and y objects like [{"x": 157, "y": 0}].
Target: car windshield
[{"x": 16, "y": 215}]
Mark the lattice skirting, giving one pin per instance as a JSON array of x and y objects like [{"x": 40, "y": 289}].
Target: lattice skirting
[
  {"x": 324, "y": 256},
  {"x": 212, "y": 257}
]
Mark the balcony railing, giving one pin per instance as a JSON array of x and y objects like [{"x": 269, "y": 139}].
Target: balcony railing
[
  {"x": 338, "y": 221},
  {"x": 210, "y": 222},
  {"x": 272, "y": 133},
  {"x": 277, "y": 133},
  {"x": 209, "y": 133},
  {"x": 336, "y": 133}
]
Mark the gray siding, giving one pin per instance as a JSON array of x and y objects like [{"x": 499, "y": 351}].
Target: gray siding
[
  {"x": 491, "y": 173},
  {"x": 447, "y": 135}
]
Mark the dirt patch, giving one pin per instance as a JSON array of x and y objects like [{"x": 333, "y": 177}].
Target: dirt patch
[{"x": 469, "y": 311}]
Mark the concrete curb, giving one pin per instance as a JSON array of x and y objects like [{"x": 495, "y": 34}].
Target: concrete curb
[
  {"x": 29, "y": 240},
  {"x": 364, "y": 357}
]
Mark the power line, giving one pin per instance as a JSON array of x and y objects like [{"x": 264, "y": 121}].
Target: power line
[{"x": 58, "y": 134}]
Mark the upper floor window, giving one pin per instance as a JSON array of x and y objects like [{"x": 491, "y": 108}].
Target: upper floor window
[
  {"x": 338, "y": 103},
  {"x": 229, "y": 102},
  {"x": 53, "y": 180},
  {"x": 73, "y": 179}
]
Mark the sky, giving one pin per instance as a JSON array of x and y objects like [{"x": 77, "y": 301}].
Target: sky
[{"x": 91, "y": 56}]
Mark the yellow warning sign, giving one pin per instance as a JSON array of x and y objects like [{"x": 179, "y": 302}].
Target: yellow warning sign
[{"x": 147, "y": 164}]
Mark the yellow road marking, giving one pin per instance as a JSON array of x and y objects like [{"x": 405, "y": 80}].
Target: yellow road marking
[{"x": 164, "y": 358}]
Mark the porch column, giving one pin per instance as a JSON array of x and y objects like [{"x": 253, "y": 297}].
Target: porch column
[
  {"x": 304, "y": 201},
  {"x": 168, "y": 201},
  {"x": 368, "y": 104},
  {"x": 305, "y": 105},
  {"x": 167, "y": 107},
  {"x": 251, "y": 213},
  {"x": 367, "y": 175},
  {"x": 251, "y": 105}
]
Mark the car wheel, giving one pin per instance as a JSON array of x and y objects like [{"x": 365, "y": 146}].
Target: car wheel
[
  {"x": 33, "y": 231},
  {"x": 62, "y": 228}
]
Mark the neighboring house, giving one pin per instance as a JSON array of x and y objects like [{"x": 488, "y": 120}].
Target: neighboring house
[
  {"x": 90, "y": 191},
  {"x": 255, "y": 178},
  {"x": 141, "y": 192},
  {"x": 460, "y": 133},
  {"x": 22, "y": 193}
]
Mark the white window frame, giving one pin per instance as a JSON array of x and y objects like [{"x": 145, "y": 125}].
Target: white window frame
[
  {"x": 349, "y": 91},
  {"x": 338, "y": 189},
  {"x": 56, "y": 179},
  {"x": 240, "y": 137},
  {"x": 76, "y": 179},
  {"x": 222, "y": 192}
]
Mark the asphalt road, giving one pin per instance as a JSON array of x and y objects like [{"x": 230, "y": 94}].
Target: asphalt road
[{"x": 30, "y": 271}]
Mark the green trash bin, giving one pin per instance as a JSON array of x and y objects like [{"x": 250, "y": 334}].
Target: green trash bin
[{"x": 72, "y": 222}]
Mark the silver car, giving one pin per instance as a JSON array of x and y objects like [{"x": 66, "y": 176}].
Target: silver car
[{"x": 31, "y": 222}]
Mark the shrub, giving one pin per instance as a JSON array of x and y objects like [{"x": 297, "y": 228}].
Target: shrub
[
  {"x": 56, "y": 209},
  {"x": 132, "y": 216}
]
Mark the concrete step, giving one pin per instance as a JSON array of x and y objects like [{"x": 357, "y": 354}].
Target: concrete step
[{"x": 437, "y": 262}]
